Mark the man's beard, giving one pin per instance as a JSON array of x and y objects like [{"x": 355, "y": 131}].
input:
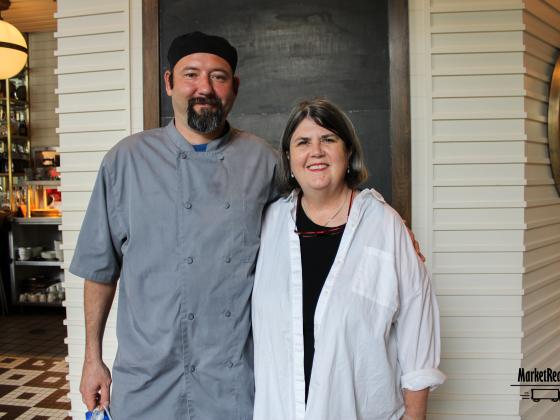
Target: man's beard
[{"x": 209, "y": 119}]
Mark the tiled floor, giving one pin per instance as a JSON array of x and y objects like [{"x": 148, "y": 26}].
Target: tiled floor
[{"x": 33, "y": 372}]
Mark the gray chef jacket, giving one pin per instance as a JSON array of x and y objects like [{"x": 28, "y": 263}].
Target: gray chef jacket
[{"x": 181, "y": 229}]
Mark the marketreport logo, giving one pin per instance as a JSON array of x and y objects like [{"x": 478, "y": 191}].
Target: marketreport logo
[{"x": 539, "y": 384}]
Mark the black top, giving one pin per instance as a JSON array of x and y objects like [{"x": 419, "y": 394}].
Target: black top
[{"x": 317, "y": 255}]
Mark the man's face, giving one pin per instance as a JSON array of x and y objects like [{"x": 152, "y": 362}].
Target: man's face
[{"x": 202, "y": 92}]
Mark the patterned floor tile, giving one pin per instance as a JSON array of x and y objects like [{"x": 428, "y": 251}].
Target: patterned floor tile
[
  {"x": 18, "y": 377},
  {"x": 11, "y": 362},
  {"x": 6, "y": 389},
  {"x": 57, "y": 400},
  {"x": 59, "y": 366},
  {"x": 44, "y": 414},
  {"x": 54, "y": 380},
  {"x": 40, "y": 365},
  {"x": 25, "y": 396},
  {"x": 33, "y": 371},
  {"x": 10, "y": 412}
]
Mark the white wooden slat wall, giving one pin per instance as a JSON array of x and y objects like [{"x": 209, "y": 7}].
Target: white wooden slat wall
[
  {"x": 468, "y": 110},
  {"x": 479, "y": 76},
  {"x": 478, "y": 156},
  {"x": 99, "y": 72},
  {"x": 541, "y": 279},
  {"x": 42, "y": 83}
]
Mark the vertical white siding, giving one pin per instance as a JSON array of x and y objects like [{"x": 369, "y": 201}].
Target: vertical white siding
[
  {"x": 488, "y": 213},
  {"x": 42, "y": 83},
  {"x": 541, "y": 279},
  {"x": 478, "y": 156},
  {"x": 98, "y": 58},
  {"x": 469, "y": 149}
]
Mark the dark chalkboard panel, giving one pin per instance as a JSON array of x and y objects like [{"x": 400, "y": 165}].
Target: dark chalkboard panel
[{"x": 292, "y": 50}]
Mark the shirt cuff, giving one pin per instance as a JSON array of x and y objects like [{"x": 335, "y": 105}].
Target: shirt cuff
[
  {"x": 423, "y": 378},
  {"x": 96, "y": 276}
]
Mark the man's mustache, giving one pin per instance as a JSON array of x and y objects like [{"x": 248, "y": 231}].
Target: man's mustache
[{"x": 205, "y": 100}]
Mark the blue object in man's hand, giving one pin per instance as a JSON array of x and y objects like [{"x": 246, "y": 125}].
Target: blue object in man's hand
[{"x": 98, "y": 414}]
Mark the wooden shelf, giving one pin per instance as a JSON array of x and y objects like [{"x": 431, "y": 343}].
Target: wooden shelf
[
  {"x": 51, "y": 304},
  {"x": 15, "y": 137},
  {"x": 5, "y": 174},
  {"x": 15, "y": 102},
  {"x": 45, "y": 263},
  {"x": 44, "y": 183},
  {"x": 37, "y": 220}
]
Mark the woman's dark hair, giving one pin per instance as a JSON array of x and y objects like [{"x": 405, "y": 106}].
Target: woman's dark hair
[{"x": 329, "y": 116}]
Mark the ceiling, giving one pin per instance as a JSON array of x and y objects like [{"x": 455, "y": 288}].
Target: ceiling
[{"x": 32, "y": 15}]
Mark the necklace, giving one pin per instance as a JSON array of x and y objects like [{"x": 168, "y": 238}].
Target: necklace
[
  {"x": 330, "y": 219},
  {"x": 327, "y": 231}
]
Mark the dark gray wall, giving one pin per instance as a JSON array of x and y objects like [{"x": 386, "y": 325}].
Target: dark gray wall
[{"x": 292, "y": 50}]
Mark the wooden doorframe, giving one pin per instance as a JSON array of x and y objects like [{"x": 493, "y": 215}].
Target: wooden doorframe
[
  {"x": 399, "y": 90},
  {"x": 150, "y": 62},
  {"x": 399, "y": 93}
]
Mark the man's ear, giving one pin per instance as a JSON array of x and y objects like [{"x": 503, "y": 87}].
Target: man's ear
[
  {"x": 236, "y": 83},
  {"x": 168, "y": 83}
]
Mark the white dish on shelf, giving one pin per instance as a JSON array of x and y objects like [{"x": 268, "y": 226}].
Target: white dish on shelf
[
  {"x": 25, "y": 253},
  {"x": 48, "y": 255}
]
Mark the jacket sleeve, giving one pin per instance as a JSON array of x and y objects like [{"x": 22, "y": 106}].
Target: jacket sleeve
[
  {"x": 98, "y": 254},
  {"x": 417, "y": 323}
]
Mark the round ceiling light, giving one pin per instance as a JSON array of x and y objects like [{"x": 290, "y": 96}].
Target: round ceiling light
[{"x": 13, "y": 50}]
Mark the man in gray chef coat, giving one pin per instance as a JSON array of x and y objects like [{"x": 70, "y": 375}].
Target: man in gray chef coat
[{"x": 175, "y": 214}]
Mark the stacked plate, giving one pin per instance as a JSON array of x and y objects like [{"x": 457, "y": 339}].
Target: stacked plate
[{"x": 25, "y": 253}]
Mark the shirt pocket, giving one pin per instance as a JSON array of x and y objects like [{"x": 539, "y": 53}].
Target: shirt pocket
[{"x": 376, "y": 278}]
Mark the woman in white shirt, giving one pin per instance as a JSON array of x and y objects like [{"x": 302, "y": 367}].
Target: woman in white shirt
[{"x": 345, "y": 321}]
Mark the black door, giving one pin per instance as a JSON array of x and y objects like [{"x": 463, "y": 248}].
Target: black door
[{"x": 291, "y": 50}]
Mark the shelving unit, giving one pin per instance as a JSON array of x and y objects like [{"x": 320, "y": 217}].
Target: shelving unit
[
  {"x": 46, "y": 263},
  {"x": 35, "y": 276},
  {"x": 14, "y": 137}
]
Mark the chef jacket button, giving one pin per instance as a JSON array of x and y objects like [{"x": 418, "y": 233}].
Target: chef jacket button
[
  {"x": 227, "y": 205},
  {"x": 188, "y": 205},
  {"x": 227, "y": 314},
  {"x": 192, "y": 368},
  {"x": 228, "y": 260},
  {"x": 230, "y": 365},
  {"x": 221, "y": 157},
  {"x": 190, "y": 316},
  {"x": 183, "y": 155},
  {"x": 189, "y": 260}
]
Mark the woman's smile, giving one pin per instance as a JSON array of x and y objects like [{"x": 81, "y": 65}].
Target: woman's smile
[{"x": 318, "y": 157}]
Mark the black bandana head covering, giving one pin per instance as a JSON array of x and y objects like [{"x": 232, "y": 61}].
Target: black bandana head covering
[{"x": 198, "y": 42}]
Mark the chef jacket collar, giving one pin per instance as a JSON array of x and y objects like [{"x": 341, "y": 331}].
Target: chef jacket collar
[{"x": 214, "y": 146}]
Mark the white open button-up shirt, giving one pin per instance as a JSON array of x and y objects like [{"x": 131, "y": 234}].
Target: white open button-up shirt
[{"x": 376, "y": 322}]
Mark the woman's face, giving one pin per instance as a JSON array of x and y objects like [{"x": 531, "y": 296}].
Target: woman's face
[{"x": 318, "y": 158}]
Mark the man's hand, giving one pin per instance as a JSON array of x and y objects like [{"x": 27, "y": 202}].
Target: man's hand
[
  {"x": 95, "y": 385},
  {"x": 416, "y": 244},
  {"x": 96, "y": 378}
]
